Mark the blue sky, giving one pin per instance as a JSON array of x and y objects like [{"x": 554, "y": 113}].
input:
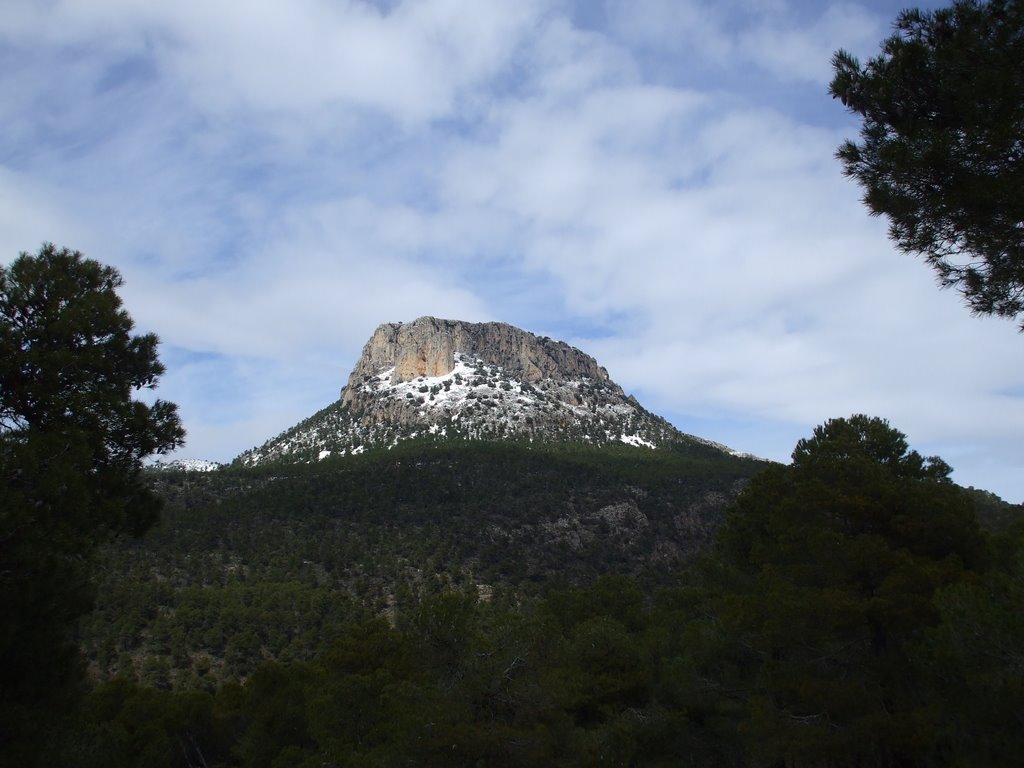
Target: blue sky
[{"x": 652, "y": 181}]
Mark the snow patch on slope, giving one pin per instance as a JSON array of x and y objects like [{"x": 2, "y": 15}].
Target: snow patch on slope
[
  {"x": 187, "y": 465},
  {"x": 475, "y": 400}
]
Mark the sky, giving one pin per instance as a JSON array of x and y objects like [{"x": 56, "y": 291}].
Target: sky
[{"x": 653, "y": 181}]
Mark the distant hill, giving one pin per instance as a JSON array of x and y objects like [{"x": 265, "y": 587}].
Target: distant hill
[{"x": 437, "y": 379}]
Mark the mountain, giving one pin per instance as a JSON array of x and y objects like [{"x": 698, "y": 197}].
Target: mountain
[
  {"x": 434, "y": 379},
  {"x": 507, "y": 466},
  {"x": 186, "y": 465}
]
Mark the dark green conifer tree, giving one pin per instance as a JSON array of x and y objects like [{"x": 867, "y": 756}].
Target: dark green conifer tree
[
  {"x": 842, "y": 553},
  {"x": 941, "y": 154},
  {"x": 72, "y": 440}
]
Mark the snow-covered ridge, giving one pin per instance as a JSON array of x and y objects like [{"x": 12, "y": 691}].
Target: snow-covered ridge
[
  {"x": 186, "y": 465},
  {"x": 474, "y": 400},
  {"x": 473, "y": 382}
]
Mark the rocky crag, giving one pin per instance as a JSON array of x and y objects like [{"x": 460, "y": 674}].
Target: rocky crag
[
  {"x": 427, "y": 347},
  {"x": 438, "y": 379}
]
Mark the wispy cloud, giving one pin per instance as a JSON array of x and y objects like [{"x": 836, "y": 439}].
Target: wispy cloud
[{"x": 652, "y": 180}]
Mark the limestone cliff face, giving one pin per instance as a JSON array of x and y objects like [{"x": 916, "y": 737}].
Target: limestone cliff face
[
  {"x": 427, "y": 347},
  {"x": 490, "y": 380}
]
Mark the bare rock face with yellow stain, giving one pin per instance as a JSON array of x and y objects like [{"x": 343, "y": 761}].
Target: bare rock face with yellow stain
[{"x": 427, "y": 347}]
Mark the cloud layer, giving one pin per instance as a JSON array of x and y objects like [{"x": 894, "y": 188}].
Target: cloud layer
[{"x": 653, "y": 181}]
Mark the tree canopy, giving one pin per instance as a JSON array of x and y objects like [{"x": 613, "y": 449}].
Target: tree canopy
[
  {"x": 72, "y": 441},
  {"x": 852, "y": 615},
  {"x": 839, "y": 556},
  {"x": 942, "y": 144}
]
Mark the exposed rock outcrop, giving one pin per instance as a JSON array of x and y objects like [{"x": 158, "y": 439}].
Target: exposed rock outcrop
[
  {"x": 448, "y": 378},
  {"x": 427, "y": 347}
]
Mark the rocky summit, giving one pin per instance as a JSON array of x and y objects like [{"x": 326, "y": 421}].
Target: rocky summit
[{"x": 437, "y": 379}]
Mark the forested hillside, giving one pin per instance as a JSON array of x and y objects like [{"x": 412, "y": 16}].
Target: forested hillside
[
  {"x": 479, "y": 604},
  {"x": 501, "y": 604},
  {"x": 269, "y": 563}
]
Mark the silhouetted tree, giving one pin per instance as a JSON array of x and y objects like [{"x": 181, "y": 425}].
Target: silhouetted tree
[
  {"x": 72, "y": 440},
  {"x": 942, "y": 144},
  {"x": 842, "y": 553}
]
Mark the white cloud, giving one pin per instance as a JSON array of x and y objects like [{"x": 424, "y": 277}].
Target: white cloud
[
  {"x": 311, "y": 288},
  {"x": 805, "y": 52},
  {"x": 411, "y": 64},
  {"x": 32, "y": 212},
  {"x": 694, "y": 26},
  {"x": 275, "y": 179},
  {"x": 792, "y": 41}
]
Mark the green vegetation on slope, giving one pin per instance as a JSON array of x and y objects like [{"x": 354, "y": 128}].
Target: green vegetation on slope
[
  {"x": 852, "y": 613},
  {"x": 72, "y": 440},
  {"x": 269, "y": 563}
]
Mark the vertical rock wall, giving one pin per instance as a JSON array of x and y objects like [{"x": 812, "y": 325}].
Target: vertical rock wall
[{"x": 427, "y": 347}]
